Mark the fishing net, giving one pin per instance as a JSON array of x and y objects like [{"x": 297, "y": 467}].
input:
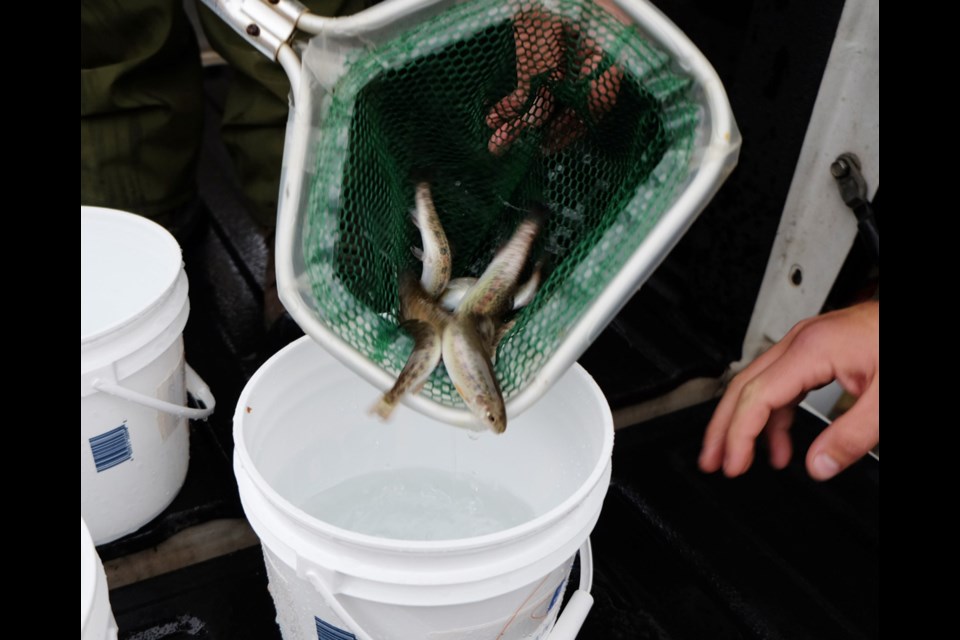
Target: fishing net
[{"x": 500, "y": 105}]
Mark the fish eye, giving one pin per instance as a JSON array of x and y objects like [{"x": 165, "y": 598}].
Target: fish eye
[{"x": 490, "y": 418}]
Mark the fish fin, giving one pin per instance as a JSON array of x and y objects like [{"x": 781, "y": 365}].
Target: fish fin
[
  {"x": 502, "y": 330},
  {"x": 486, "y": 329},
  {"x": 417, "y": 389},
  {"x": 526, "y": 292},
  {"x": 409, "y": 325},
  {"x": 417, "y": 329},
  {"x": 417, "y": 253}
]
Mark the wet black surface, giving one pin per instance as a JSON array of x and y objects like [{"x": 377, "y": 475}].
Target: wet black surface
[
  {"x": 224, "y": 598},
  {"x": 681, "y": 554},
  {"x": 677, "y": 554}
]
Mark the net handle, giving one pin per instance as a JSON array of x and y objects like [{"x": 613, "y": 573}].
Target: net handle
[{"x": 269, "y": 26}]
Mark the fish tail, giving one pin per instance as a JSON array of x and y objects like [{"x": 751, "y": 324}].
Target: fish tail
[{"x": 383, "y": 408}]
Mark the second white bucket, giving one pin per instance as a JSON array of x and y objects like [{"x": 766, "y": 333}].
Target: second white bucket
[
  {"x": 134, "y": 438},
  {"x": 96, "y": 616},
  {"x": 305, "y": 446}
]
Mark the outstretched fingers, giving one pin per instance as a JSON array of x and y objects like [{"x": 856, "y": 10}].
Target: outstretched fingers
[
  {"x": 842, "y": 345},
  {"x": 715, "y": 437},
  {"x": 804, "y": 365}
]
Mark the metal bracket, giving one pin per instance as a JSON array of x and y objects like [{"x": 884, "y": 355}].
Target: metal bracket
[
  {"x": 265, "y": 24},
  {"x": 853, "y": 190},
  {"x": 816, "y": 233}
]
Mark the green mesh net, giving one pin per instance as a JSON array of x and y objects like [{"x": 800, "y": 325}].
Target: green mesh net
[{"x": 502, "y": 105}]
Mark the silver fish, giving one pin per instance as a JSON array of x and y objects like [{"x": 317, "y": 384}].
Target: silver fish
[
  {"x": 457, "y": 288},
  {"x": 466, "y": 359},
  {"x": 453, "y": 294},
  {"x": 435, "y": 254},
  {"x": 417, "y": 304},
  {"x": 423, "y": 320},
  {"x": 493, "y": 294},
  {"x": 526, "y": 292},
  {"x": 421, "y": 363}
]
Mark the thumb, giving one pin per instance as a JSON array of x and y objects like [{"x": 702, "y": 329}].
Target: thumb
[{"x": 848, "y": 438}]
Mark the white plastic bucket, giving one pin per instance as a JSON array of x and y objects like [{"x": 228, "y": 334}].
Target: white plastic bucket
[
  {"x": 134, "y": 440},
  {"x": 96, "y": 616},
  {"x": 301, "y": 426}
]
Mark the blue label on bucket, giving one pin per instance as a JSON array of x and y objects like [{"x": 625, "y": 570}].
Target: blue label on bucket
[
  {"x": 556, "y": 595},
  {"x": 326, "y": 631},
  {"x": 111, "y": 448}
]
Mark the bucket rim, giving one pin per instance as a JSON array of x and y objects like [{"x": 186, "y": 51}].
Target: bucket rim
[
  {"x": 88, "y": 574},
  {"x": 169, "y": 280},
  {"x": 422, "y": 547}
]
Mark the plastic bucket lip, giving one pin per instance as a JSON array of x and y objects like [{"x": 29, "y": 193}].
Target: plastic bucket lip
[
  {"x": 88, "y": 574},
  {"x": 361, "y": 540},
  {"x": 167, "y": 282}
]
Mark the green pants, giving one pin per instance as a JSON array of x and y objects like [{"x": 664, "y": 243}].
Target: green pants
[{"x": 141, "y": 108}]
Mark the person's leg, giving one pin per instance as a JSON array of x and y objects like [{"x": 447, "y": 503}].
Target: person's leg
[
  {"x": 254, "y": 123},
  {"x": 256, "y": 108},
  {"x": 141, "y": 108}
]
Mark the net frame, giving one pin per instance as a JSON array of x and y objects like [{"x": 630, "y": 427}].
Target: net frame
[{"x": 330, "y": 61}]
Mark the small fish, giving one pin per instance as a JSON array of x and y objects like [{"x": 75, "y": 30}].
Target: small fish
[
  {"x": 491, "y": 330},
  {"x": 421, "y": 363},
  {"x": 453, "y": 294},
  {"x": 498, "y": 333},
  {"x": 457, "y": 288},
  {"x": 424, "y": 320},
  {"x": 467, "y": 362},
  {"x": 493, "y": 294},
  {"x": 526, "y": 292},
  {"x": 416, "y": 304},
  {"x": 435, "y": 254}
]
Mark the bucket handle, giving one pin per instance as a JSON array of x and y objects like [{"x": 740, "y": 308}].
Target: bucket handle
[
  {"x": 331, "y": 601},
  {"x": 195, "y": 387},
  {"x": 578, "y": 606},
  {"x": 566, "y": 628}
]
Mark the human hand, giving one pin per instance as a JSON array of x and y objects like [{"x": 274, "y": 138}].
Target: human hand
[
  {"x": 543, "y": 43},
  {"x": 842, "y": 345}
]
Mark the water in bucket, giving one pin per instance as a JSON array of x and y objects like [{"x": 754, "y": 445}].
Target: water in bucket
[
  {"x": 419, "y": 504},
  {"x": 413, "y": 528}
]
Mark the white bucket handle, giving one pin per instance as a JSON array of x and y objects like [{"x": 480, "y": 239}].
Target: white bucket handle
[
  {"x": 195, "y": 387},
  {"x": 566, "y": 628},
  {"x": 578, "y": 606},
  {"x": 331, "y": 601}
]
